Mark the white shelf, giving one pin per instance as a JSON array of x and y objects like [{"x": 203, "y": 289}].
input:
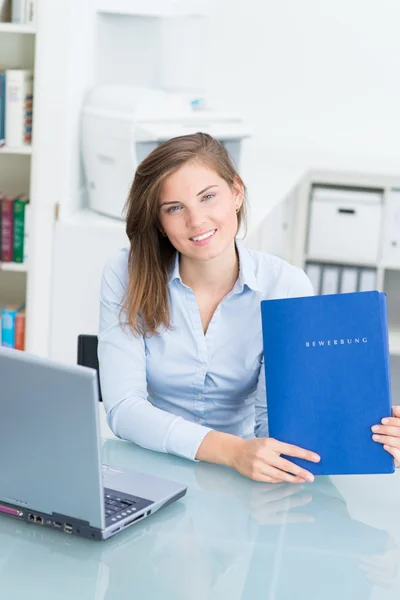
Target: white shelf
[
  {"x": 154, "y": 8},
  {"x": 16, "y": 28},
  {"x": 341, "y": 261},
  {"x": 89, "y": 219},
  {"x": 394, "y": 340},
  {"x": 20, "y": 150},
  {"x": 12, "y": 266}
]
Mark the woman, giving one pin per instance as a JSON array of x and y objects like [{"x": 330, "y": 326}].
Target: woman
[{"x": 180, "y": 344}]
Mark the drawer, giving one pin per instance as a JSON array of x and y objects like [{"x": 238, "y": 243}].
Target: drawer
[{"x": 345, "y": 225}]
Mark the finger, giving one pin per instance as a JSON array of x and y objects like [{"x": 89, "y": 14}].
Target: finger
[
  {"x": 264, "y": 478},
  {"x": 291, "y": 450},
  {"x": 276, "y": 493},
  {"x": 395, "y": 452},
  {"x": 291, "y": 518},
  {"x": 281, "y": 506},
  {"x": 296, "y": 502},
  {"x": 289, "y": 467},
  {"x": 280, "y": 475},
  {"x": 396, "y": 411},
  {"x": 393, "y": 442},
  {"x": 387, "y": 430},
  {"x": 394, "y": 421},
  {"x": 299, "y": 518}
]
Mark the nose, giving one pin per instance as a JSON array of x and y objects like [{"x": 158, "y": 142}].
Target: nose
[{"x": 195, "y": 217}]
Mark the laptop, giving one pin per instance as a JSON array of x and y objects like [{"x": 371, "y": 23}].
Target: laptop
[{"x": 51, "y": 473}]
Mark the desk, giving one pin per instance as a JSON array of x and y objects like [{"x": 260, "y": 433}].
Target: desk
[{"x": 228, "y": 538}]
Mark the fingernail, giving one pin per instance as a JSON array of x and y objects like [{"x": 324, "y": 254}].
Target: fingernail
[
  {"x": 316, "y": 458},
  {"x": 375, "y": 428},
  {"x": 385, "y": 421},
  {"x": 310, "y": 478},
  {"x": 376, "y": 437}
]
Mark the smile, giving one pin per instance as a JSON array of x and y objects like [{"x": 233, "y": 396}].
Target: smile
[{"x": 203, "y": 236}]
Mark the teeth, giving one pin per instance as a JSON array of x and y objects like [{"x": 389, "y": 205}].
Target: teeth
[{"x": 203, "y": 237}]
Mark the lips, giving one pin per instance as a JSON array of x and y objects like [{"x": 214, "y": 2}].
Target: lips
[{"x": 203, "y": 236}]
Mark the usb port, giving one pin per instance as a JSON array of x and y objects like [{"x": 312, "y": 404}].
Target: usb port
[
  {"x": 57, "y": 524},
  {"x": 68, "y": 528}
]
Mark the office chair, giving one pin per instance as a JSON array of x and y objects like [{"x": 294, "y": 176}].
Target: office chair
[{"x": 87, "y": 355}]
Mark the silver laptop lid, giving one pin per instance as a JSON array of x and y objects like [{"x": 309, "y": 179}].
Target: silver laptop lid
[{"x": 49, "y": 437}]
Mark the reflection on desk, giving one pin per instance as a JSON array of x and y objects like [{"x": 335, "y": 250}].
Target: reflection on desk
[{"x": 228, "y": 538}]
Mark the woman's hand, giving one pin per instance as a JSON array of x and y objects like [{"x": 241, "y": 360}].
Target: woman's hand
[
  {"x": 388, "y": 434},
  {"x": 260, "y": 459}
]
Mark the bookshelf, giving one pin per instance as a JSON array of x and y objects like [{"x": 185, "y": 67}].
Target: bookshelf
[
  {"x": 21, "y": 150},
  {"x": 17, "y": 28},
  {"x": 35, "y": 169},
  {"x": 17, "y": 50},
  {"x": 153, "y": 8},
  {"x": 297, "y": 225},
  {"x": 15, "y": 267}
]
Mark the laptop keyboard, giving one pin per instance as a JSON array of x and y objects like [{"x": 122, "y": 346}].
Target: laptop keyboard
[{"x": 120, "y": 506}]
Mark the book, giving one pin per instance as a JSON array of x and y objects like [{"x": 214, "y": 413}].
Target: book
[
  {"x": 7, "y": 228},
  {"x": 5, "y": 11},
  {"x": 18, "y": 12},
  {"x": 30, "y": 16},
  {"x": 8, "y": 316},
  {"x": 326, "y": 361},
  {"x": 20, "y": 319},
  {"x": 19, "y": 206},
  {"x": 19, "y": 100}
]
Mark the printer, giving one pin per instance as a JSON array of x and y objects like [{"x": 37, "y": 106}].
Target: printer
[{"x": 121, "y": 125}]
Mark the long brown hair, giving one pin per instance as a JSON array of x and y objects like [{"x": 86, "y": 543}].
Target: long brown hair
[{"x": 151, "y": 254}]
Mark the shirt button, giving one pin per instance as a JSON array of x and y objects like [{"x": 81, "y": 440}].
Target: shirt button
[
  {"x": 203, "y": 369},
  {"x": 199, "y": 395}
]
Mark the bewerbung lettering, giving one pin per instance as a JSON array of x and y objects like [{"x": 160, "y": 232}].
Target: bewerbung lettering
[{"x": 340, "y": 342}]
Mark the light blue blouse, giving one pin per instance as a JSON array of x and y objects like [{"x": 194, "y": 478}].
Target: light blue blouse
[{"x": 168, "y": 391}]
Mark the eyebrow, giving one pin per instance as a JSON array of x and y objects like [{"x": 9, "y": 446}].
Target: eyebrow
[{"x": 199, "y": 194}]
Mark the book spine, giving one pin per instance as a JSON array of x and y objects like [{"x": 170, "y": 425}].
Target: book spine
[
  {"x": 7, "y": 241},
  {"x": 19, "y": 229},
  {"x": 5, "y": 11},
  {"x": 18, "y": 11},
  {"x": 8, "y": 327},
  {"x": 18, "y": 121},
  {"x": 2, "y": 108},
  {"x": 20, "y": 320},
  {"x": 30, "y": 15},
  {"x": 1, "y": 237}
]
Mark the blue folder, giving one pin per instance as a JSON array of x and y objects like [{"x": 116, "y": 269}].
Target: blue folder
[{"x": 328, "y": 378}]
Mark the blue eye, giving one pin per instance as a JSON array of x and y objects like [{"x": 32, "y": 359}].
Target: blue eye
[
  {"x": 172, "y": 209},
  {"x": 208, "y": 197}
]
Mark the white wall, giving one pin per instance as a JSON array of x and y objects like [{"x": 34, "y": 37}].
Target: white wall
[{"x": 317, "y": 81}]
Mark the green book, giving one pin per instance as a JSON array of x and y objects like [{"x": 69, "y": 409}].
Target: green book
[{"x": 19, "y": 227}]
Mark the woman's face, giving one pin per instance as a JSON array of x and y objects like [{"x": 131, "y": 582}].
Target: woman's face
[{"x": 198, "y": 211}]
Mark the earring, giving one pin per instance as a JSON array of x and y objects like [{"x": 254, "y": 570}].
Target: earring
[
  {"x": 237, "y": 209},
  {"x": 163, "y": 233}
]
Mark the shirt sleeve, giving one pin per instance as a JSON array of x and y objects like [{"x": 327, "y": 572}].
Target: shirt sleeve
[
  {"x": 122, "y": 361},
  {"x": 299, "y": 286}
]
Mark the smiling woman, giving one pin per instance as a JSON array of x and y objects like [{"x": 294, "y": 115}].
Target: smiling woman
[
  {"x": 180, "y": 341},
  {"x": 186, "y": 197}
]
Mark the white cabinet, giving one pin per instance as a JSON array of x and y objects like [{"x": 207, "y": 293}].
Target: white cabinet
[
  {"x": 345, "y": 225},
  {"x": 345, "y": 231},
  {"x": 391, "y": 230},
  {"x": 83, "y": 244}
]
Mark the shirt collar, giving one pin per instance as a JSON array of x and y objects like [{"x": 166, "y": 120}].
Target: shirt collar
[
  {"x": 174, "y": 270},
  {"x": 247, "y": 274}
]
